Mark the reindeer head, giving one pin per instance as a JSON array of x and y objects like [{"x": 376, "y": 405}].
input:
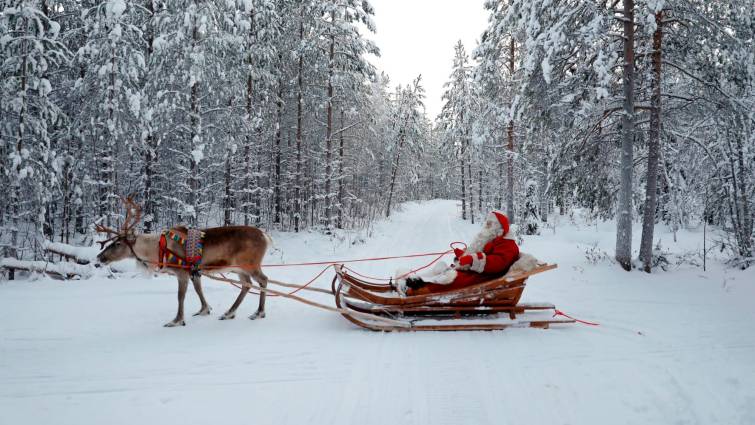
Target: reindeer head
[{"x": 121, "y": 241}]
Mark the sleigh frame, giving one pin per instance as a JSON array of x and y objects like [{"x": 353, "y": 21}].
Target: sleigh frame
[{"x": 490, "y": 305}]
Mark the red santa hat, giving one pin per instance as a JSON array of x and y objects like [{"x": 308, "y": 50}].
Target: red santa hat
[
  {"x": 502, "y": 220},
  {"x": 496, "y": 224}
]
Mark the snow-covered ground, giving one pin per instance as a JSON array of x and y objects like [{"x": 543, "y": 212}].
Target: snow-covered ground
[{"x": 675, "y": 347}]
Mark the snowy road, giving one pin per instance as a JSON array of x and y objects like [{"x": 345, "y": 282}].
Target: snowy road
[{"x": 676, "y": 347}]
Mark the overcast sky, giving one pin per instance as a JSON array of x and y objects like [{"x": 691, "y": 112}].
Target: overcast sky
[{"x": 418, "y": 37}]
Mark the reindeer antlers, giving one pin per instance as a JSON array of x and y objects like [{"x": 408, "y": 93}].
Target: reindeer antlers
[{"x": 133, "y": 215}]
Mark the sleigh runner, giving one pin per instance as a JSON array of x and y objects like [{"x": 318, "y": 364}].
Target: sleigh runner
[{"x": 490, "y": 305}]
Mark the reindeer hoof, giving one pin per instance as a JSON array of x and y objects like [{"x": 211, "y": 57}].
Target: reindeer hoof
[
  {"x": 228, "y": 316},
  {"x": 257, "y": 315},
  {"x": 203, "y": 312},
  {"x": 175, "y": 323}
]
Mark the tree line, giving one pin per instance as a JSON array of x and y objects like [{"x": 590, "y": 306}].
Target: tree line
[
  {"x": 254, "y": 112},
  {"x": 269, "y": 113},
  {"x": 628, "y": 109}
]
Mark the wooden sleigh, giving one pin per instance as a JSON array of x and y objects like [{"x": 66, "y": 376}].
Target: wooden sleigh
[{"x": 491, "y": 305}]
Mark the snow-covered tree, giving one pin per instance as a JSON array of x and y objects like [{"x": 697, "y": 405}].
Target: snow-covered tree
[
  {"x": 456, "y": 120},
  {"x": 31, "y": 52}
]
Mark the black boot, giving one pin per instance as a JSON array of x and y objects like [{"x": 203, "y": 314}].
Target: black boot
[{"x": 414, "y": 282}]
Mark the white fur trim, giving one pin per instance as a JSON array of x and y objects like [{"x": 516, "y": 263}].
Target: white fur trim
[
  {"x": 524, "y": 264},
  {"x": 478, "y": 264},
  {"x": 437, "y": 268},
  {"x": 440, "y": 273},
  {"x": 445, "y": 278}
]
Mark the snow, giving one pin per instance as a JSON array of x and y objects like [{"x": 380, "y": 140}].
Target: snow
[
  {"x": 198, "y": 154},
  {"x": 114, "y": 9},
  {"x": 83, "y": 252},
  {"x": 134, "y": 103},
  {"x": 62, "y": 268},
  {"x": 672, "y": 347}
]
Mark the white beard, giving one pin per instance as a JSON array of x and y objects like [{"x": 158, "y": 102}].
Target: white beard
[{"x": 490, "y": 230}]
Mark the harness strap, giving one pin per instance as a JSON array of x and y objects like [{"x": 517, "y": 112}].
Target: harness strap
[
  {"x": 192, "y": 248},
  {"x": 163, "y": 246}
]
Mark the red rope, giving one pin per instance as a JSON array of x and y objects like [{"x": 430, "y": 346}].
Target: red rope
[
  {"x": 561, "y": 313},
  {"x": 440, "y": 255},
  {"x": 311, "y": 280},
  {"x": 330, "y": 264},
  {"x": 358, "y": 260},
  {"x": 425, "y": 266},
  {"x": 454, "y": 243},
  {"x": 290, "y": 293},
  {"x": 316, "y": 263},
  {"x": 356, "y": 273}
]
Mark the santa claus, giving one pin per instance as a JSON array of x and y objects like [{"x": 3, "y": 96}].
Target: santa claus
[{"x": 490, "y": 255}]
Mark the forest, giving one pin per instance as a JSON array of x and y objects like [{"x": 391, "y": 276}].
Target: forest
[{"x": 270, "y": 113}]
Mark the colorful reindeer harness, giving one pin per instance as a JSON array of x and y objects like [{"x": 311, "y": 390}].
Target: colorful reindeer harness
[{"x": 192, "y": 244}]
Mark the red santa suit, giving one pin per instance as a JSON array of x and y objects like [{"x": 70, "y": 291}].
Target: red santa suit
[{"x": 489, "y": 255}]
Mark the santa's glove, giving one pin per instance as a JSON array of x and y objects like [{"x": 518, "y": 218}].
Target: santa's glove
[
  {"x": 465, "y": 261},
  {"x": 458, "y": 252}
]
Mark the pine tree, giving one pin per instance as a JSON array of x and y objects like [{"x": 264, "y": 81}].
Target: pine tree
[
  {"x": 31, "y": 52},
  {"x": 456, "y": 120}
]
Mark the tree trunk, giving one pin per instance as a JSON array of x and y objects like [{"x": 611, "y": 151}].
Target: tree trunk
[
  {"x": 624, "y": 213},
  {"x": 470, "y": 181},
  {"x": 299, "y": 116},
  {"x": 499, "y": 198},
  {"x": 66, "y": 189},
  {"x": 510, "y": 159},
  {"x": 648, "y": 219},
  {"x": 394, "y": 172},
  {"x": 463, "y": 187},
  {"x": 194, "y": 135},
  {"x": 248, "y": 151},
  {"x": 149, "y": 149},
  {"x": 741, "y": 218},
  {"x": 227, "y": 210},
  {"x": 339, "y": 223},
  {"x": 479, "y": 192},
  {"x": 16, "y": 191},
  {"x": 745, "y": 247},
  {"x": 257, "y": 192},
  {"x": 193, "y": 168},
  {"x": 149, "y": 207},
  {"x": 394, "y": 167},
  {"x": 463, "y": 159},
  {"x": 279, "y": 125},
  {"x": 108, "y": 167},
  {"x": 329, "y": 132}
]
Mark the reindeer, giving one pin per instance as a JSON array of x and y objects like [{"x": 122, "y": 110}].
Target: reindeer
[{"x": 237, "y": 249}]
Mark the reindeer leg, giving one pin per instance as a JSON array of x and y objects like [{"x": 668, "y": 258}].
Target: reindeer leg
[
  {"x": 183, "y": 283},
  {"x": 205, "y": 310},
  {"x": 262, "y": 280},
  {"x": 246, "y": 284}
]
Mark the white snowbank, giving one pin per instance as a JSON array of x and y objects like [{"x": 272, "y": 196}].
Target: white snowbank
[
  {"x": 672, "y": 347},
  {"x": 83, "y": 252},
  {"x": 64, "y": 269}
]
